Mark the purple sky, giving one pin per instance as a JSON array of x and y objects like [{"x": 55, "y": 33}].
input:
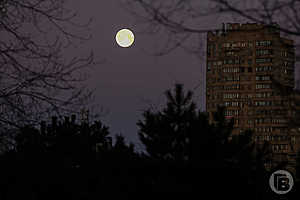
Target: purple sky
[{"x": 130, "y": 75}]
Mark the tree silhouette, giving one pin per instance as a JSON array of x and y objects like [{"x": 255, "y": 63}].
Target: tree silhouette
[
  {"x": 34, "y": 74},
  {"x": 222, "y": 129},
  {"x": 165, "y": 133},
  {"x": 121, "y": 146},
  {"x": 30, "y": 141},
  {"x": 180, "y": 24},
  {"x": 233, "y": 161},
  {"x": 181, "y": 132},
  {"x": 66, "y": 141},
  {"x": 181, "y": 21},
  {"x": 60, "y": 158}
]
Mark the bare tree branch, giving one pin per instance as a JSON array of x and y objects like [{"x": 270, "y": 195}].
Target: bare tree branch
[
  {"x": 35, "y": 77},
  {"x": 181, "y": 16}
]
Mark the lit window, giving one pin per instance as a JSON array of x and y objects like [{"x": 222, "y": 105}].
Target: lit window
[
  {"x": 264, "y": 43},
  {"x": 208, "y": 66},
  {"x": 263, "y": 60}
]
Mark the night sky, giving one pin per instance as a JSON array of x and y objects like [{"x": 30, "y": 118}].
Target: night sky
[
  {"x": 44, "y": 60},
  {"x": 131, "y": 77}
]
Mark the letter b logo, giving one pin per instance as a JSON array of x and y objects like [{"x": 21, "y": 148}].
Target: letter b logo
[{"x": 281, "y": 181}]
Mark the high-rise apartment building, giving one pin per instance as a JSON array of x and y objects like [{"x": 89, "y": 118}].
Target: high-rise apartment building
[{"x": 247, "y": 67}]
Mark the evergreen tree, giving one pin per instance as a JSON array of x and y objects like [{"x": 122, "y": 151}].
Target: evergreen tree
[
  {"x": 179, "y": 131},
  {"x": 66, "y": 140},
  {"x": 166, "y": 133}
]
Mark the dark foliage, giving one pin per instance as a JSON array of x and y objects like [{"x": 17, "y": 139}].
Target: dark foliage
[{"x": 70, "y": 160}]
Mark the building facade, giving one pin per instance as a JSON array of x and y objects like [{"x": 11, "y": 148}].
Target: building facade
[{"x": 249, "y": 68}]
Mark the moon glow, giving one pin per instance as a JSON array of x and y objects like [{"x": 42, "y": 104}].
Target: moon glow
[{"x": 125, "y": 38}]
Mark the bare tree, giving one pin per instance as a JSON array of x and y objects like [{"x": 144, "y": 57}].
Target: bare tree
[
  {"x": 35, "y": 76},
  {"x": 181, "y": 19},
  {"x": 183, "y": 23}
]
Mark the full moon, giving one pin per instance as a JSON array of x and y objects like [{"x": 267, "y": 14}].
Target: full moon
[{"x": 125, "y": 38}]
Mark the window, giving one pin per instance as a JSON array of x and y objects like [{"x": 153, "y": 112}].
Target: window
[
  {"x": 263, "y": 68},
  {"x": 284, "y": 53},
  {"x": 235, "y": 103},
  {"x": 263, "y": 94},
  {"x": 208, "y": 66},
  {"x": 263, "y": 86},
  {"x": 259, "y": 121},
  {"x": 262, "y": 103},
  {"x": 231, "y": 78},
  {"x": 231, "y": 112},
  {"x": 293, "y": 139},
  {"x": 275, "y": 147},
  {"x": 263, "y": 52},
  {"x": 232, "y": 87},
  {"x": 226, "y": 45},
  {"x": 264, "y": 43},
  {"x": 231, "y": 104},
  {"x": 231, "y": 69},
  {"x": 229, "y": 53},
  {"x": 235, "y": 44},
  {"x": 249, "y": 69},
  {"x": 262, "y": 78},
  {"x": 263, "y": 60},
  {"x": 231, "y": 96},
  {"x": 265, "y": 78},
  {"x": 278, "y": 121}
]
